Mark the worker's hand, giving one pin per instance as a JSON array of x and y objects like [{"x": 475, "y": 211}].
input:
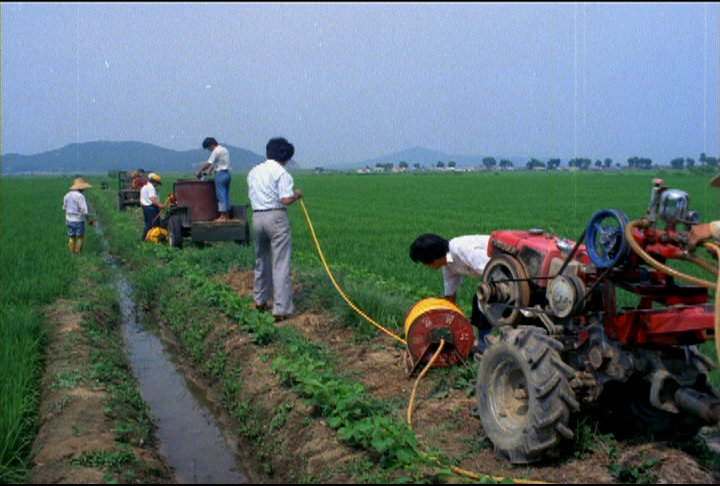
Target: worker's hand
[
  {"x": 698, "y": 234},
  {"x": 298, "y": 194},
  {"x": 91, "y": 221},
  {"x": 199, "y": 175}
]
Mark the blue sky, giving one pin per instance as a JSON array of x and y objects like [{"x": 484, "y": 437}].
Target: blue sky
[{"x": 348, "y": 82}]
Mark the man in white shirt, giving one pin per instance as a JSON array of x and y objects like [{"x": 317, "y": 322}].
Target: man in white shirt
[
  {"x": 457, "y": 257},
  {"x": 150, "y": 203},
  {"x": 270, "y": 190},
  {"x": 76, "y": 212},
  {"x": 219, "y": 162}
]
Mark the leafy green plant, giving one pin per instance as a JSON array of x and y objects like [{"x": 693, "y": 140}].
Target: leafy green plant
[
  {"x": 640, "y": 474},
  {"x": 100, "y": 458},
  {"x": 67, "y": 379}
]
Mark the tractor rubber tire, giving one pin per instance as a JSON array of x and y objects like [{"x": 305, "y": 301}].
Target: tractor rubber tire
[
  {"x": 175, "y": 233},
  {"x": 524, "y": 394}
]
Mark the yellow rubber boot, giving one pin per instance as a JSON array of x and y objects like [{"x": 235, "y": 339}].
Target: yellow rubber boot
[
  {"x": 71, "y": 244},
  {"x": 79, "y": 243}
]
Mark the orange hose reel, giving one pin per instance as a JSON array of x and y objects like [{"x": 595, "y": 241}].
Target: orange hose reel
[{"x": 431, "y": 321}]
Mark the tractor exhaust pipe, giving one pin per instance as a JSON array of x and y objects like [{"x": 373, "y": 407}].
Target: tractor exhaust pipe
[{"x": 699, "y": 404}]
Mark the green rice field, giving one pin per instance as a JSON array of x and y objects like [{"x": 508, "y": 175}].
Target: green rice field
[{"x": 364, "y": 226}]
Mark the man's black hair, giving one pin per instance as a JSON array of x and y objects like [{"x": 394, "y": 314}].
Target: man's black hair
[
  {"x": 428, "y": 247},
  {"x": 209, "y": 142},
  {"x": 279, "y": 149}
]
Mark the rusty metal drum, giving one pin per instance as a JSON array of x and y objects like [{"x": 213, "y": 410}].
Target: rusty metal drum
[{"x": 198, "y": 196}]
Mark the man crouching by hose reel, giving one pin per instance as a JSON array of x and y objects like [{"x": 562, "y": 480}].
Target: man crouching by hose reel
[{"x": 457, "y": 257}]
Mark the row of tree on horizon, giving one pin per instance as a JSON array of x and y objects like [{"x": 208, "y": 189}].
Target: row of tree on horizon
[{"x": 578, "y": 162}]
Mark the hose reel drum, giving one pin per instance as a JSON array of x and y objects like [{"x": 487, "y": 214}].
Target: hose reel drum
[{"x": 431, "y": 321}]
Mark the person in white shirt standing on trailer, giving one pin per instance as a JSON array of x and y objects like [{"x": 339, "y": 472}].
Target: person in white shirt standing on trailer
[{"x": 219, "y": 162}]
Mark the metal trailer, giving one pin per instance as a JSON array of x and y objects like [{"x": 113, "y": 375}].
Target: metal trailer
[
  {"x": 193, "y": 214},
  {"x": 129, "y": 185}
]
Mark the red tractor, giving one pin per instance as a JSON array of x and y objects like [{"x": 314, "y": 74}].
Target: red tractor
[{"x": 566, "y": 337}]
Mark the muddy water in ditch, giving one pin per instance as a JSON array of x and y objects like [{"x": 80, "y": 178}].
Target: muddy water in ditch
[{"x": 191, "y": 437}]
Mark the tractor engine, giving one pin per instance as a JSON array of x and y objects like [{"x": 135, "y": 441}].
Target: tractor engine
[{"x": 604, "y": 319}]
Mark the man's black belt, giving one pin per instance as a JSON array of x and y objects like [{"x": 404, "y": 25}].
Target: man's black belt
[{"x": 266, "y": 210}]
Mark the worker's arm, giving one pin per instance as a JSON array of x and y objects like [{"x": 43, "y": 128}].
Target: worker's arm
[
  {"x": 157, "y": 203},
  {"x": 205, "y": 166},
  {"x": 287, "y": 201}
]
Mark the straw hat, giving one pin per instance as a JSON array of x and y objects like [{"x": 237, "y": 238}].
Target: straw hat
[
  {"x": 79, "y": 185},
  {"x": 716, "y": 181},
  {"x": 154, "y": 177}
]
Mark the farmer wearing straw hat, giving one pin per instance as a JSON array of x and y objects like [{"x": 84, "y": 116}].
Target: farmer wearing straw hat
[
  {"x": 76, "y": 210},
  {"x": 150, "y": 203},
  {"x": 703, "y": 232}
]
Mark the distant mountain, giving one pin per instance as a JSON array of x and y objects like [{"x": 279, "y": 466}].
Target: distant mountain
[{"x": 102, "y": 157}]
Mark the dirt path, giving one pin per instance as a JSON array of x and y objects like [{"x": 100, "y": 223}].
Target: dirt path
[{"x": 307, "y": 448}]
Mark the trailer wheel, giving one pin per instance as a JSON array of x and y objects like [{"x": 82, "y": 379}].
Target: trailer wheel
[
  {"x": 524, "y": 395},
  {"x": 174, "y": 227}
]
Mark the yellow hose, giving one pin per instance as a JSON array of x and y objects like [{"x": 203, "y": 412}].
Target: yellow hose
[
  {"x": 659, "y": 266},
  {"x": 342, "y": 293},
  {"x": 455, "y": 469},
  {"x": 417, "y": 381},
  {"x": 717, "y": 306},
  {"x": 698, "y": 281},
  {"x": 702, "y": 262}
]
